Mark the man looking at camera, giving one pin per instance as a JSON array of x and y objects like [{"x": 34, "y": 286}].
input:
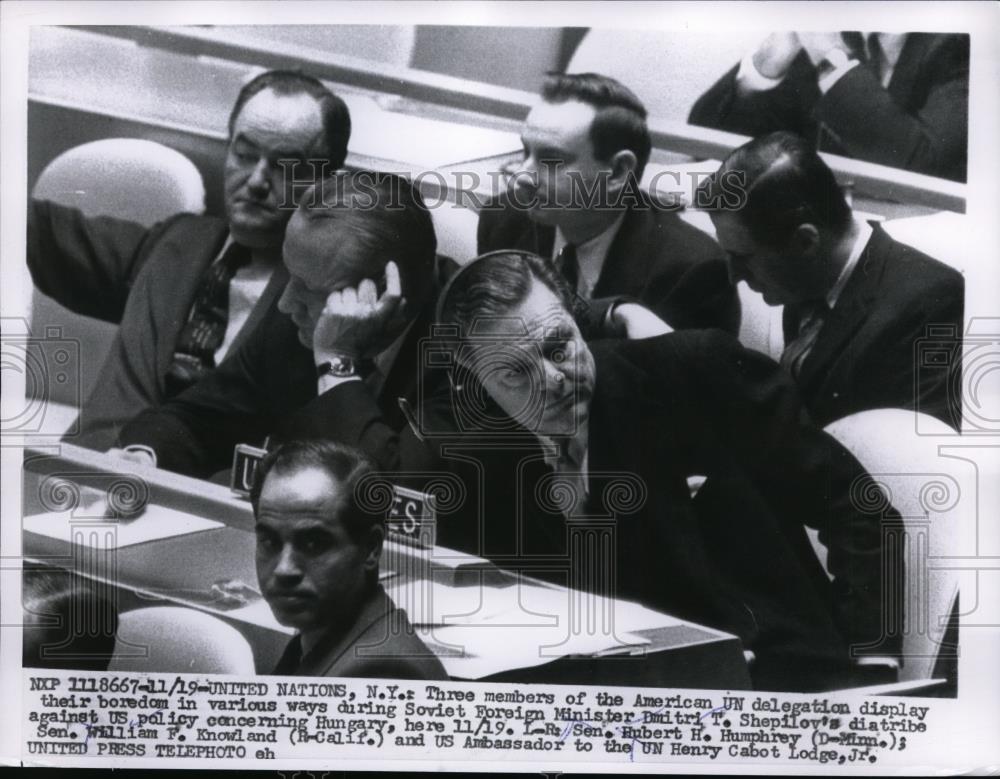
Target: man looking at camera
[
  {"x": 318, "y": 552},
  {"x": 187, "y": 291}
]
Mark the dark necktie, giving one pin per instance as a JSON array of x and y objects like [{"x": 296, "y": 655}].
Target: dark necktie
[
  {"x": 570, "y": 266},
  {"x": 799, "y": 347},
  {"x": 876, "y": 57},
  {"x": 867, "y": 50},
  {"x": 206, "y": 326}
]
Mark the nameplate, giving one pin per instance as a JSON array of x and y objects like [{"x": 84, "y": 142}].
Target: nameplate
[
  {"x": 246, "y": 460},
  {"x": 411, "y": 517}
]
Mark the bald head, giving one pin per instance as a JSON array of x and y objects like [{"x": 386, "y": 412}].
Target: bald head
[{"x": 347, "y": 229}]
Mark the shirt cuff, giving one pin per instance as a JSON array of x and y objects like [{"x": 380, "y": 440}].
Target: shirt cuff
[
  {"x": 890, "y": 662},
  {"x": 328, "y": 382},
  {"x": 827, "y": 81},
  {"x": 751, "y": 79}
]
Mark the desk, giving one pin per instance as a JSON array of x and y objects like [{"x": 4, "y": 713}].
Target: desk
[
  {"x": 482, "y": 642},
  {"x": 182, "y": 80}
]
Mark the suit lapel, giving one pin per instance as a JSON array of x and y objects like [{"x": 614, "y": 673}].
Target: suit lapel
[
  {"x": 626, "y": 268},
  {"x": 329, "y": 652},
  {"x": 182, "y": 265},
  {"x": 851, "y": 311},
  {"x": 902, "y": 85}
]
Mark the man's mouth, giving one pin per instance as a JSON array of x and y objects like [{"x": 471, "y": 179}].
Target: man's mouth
[
  {"x": 289, "y": 600},
  {"x": 256, "y": 205}
]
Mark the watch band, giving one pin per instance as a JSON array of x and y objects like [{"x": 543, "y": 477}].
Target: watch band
[{"x": 343, "y": 367}]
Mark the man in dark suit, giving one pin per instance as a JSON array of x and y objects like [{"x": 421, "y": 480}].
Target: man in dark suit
[
  {"x": 338, "y": 354},
  {"x": 857, "y": 303},
  {"x": 895, "y": 99},
  {"x": 576, "y": 198},
  {"x": 188, "y": 290},
  {"x": 318, "y": 552},
  {"x": 628, "y": 430}
]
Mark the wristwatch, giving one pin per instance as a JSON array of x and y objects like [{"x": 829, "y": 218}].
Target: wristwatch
[{"x": 343, "y": 367}]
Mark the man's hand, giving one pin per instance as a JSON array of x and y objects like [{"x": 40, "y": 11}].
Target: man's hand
[
  {"x": 638, "y": 321},
  {"x": 357, "y": 323},
  {"x": 817, "y": 44},
  {"x": 775, "y": 55}
]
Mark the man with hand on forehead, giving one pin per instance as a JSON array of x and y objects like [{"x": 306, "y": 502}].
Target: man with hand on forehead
[
  {"x": 654, "y": 413},
  {"x": 335, "y": 359}
]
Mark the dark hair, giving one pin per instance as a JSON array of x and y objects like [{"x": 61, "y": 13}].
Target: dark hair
[
  {"x": 344, "y": 464},
  {"x": 493, "y": 283},
  {"x": 782, "y": 183},
  {"x": 336, "y": 117},
  {"x": 66, "y": 624},
  {"x": 388, "y": 220},
  {"x": 620, "y": 122}
]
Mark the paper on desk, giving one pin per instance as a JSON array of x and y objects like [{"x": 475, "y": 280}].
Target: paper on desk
[
  {"x": 155, "y": 523},
  {"x": 475, "y": 651},
  {"x": 521, "y": 605},
  {"x": 432, "y": 603},
  {"x": 259, "y": 613},
  {"x": 428, "y": 143}
]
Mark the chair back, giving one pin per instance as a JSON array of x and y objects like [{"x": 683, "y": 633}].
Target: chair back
[
  {"x": 127, "y": 178},
  {"x": 934, "y": 491},
  {"x": 173, "y": 639}
]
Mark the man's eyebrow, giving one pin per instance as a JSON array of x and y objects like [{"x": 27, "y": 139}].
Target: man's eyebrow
[{"x": 242, "y": 138}]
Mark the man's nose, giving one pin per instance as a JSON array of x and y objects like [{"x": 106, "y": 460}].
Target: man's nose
[
  {"x": 286, "y": 303},
  {"x": 524, "y": 175},
  {"x": 557, "y": 377},
  {"x": 260, "y": 178},
  {"x": 737, "y": 269},
  {"x": 287, "y": 567}
]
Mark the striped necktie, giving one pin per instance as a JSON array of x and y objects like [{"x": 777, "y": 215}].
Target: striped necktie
[
  {"x": 569, "y": 266},
  {"x": 205, "y": 329},
  {"x": 799, "y": 347}
]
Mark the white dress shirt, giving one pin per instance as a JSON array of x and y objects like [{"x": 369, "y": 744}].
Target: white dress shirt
[
  {"x": 245, "y": 289},
  {"x": 590, "y": 255}
]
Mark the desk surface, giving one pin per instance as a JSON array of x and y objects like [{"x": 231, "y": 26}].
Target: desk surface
[
  {"x": 483, "y": 622},
  {"x": 443, "y": 120}
]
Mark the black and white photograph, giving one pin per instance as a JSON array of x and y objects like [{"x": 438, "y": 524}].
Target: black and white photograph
[{"x": 501, "y": 386}]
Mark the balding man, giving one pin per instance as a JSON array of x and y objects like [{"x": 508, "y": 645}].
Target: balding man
[
  {"x": 857, "y": 303},
  {"x": 341, "y": 351},
  {"x": 188, "y": 290}
]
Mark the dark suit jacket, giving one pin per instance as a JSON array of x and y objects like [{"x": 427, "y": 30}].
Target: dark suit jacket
[
  {"x": 267, "y": 388},
  {"x": 736, "y": 557},
  {"x": 919, "y": 123},
  {"x": 146, "y": 280},
  {"x": 656, "y": 258},
  {"x": 869, "y": 351},
  {"x": 380, "y": 644}
]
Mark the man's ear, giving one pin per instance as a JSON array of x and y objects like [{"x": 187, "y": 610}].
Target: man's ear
[
  {"x": 806, "y": 240},
  {"x": 623, "y": 164},
  {"x": 373, "y": 547}
]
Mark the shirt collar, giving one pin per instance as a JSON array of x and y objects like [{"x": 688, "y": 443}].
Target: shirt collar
[
  {"x": 590, "y": 254},
  {"x": 860, "y": 242},
  {"x": 385, "y": 359}
]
